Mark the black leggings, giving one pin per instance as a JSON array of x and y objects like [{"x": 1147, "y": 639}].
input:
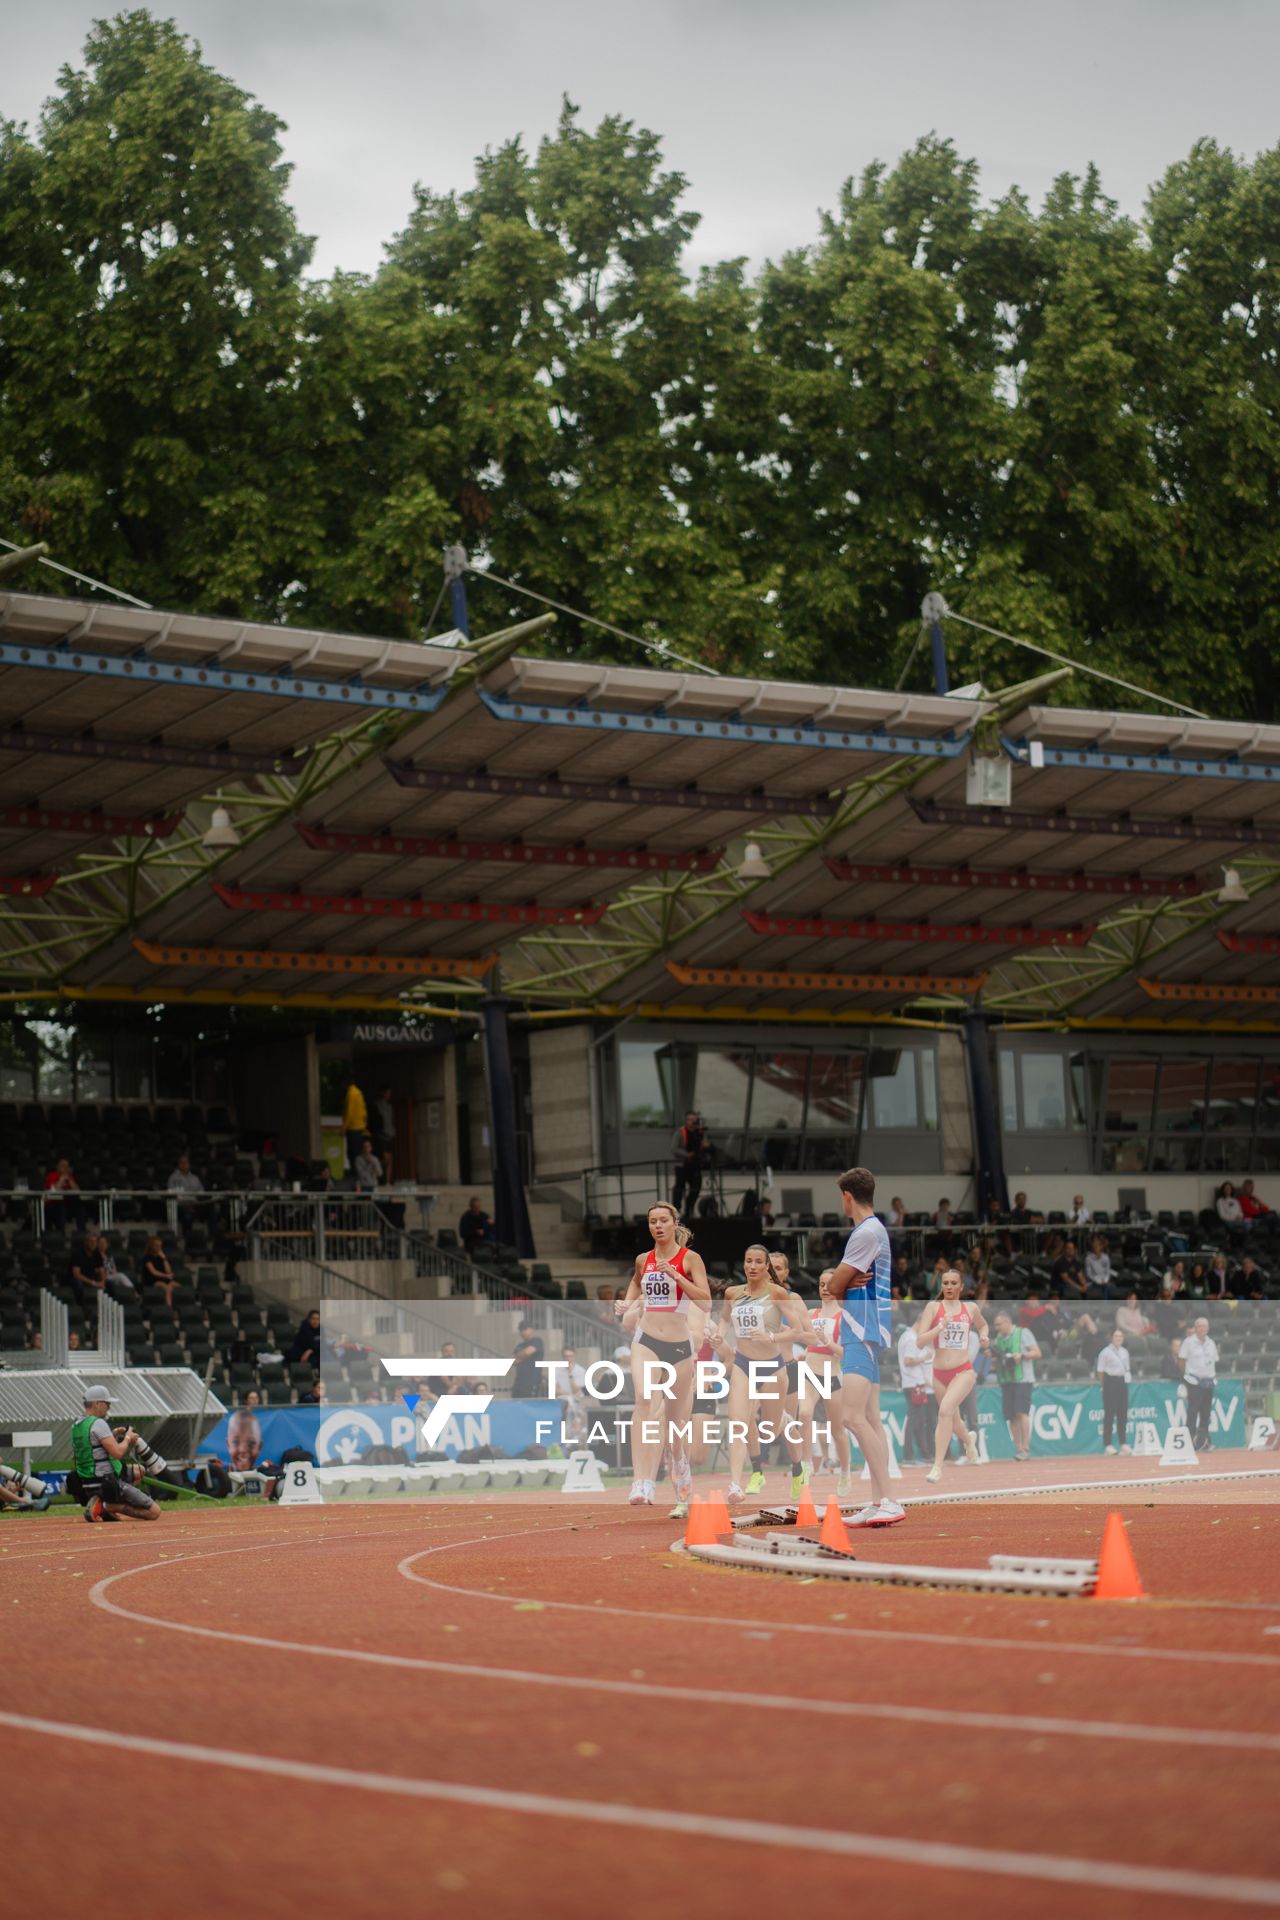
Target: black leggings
[{"x": 1115, "y": 1409}]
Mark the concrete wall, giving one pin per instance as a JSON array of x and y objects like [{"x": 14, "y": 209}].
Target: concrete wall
[{"x": 560, "y": 1067}]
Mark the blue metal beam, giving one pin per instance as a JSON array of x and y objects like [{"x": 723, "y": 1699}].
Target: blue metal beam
[
  {"x": 1170, "y": 765},
  {"x": 584, "y": 719},
  {"x": 209, "y": 677}
]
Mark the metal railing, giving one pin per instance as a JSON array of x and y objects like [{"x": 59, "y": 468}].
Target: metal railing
[{"x": 99, "y": 1208}]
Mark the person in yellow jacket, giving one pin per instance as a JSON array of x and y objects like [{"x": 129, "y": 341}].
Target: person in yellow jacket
[{"x": 355, "y": 1119}]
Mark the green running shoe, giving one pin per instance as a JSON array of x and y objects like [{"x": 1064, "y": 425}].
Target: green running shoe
[{"x": 756, "y": 1483}]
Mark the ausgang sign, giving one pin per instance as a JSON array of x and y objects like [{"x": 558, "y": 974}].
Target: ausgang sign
[{"x": 387, "y": 1033}]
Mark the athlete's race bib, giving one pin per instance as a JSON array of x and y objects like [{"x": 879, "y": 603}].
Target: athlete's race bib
[
  {"x": 954, "y": 1335},
  {"x": 660, "y": 1292},
  {"x": 748, "y": 1316}
]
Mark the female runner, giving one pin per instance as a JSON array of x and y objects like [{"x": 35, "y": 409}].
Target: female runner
[
  {"x": 945, "y": 1325},
  {"x": 829, "y": 1350},
  {"x": 795, "y": 1449},
  {"x": 665, "y": 1283},
  {"x": 764, "y": 1319}
]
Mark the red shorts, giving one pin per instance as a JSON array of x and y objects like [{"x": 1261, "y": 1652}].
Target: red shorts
[{"x": 946, "y": 1375}]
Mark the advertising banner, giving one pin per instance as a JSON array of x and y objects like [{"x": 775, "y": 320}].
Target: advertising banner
[{"x": 340, "y": 1435}]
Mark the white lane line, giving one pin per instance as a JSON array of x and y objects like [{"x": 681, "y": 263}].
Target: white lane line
[
  {"x": 1028, "y": 1724},
  {"x": 1171, "y": 1477},
  {"x": 996, "y": 1642},
  {"x": 1112, "y": 1875}
]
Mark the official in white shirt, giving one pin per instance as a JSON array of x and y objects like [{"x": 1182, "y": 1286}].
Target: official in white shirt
[
  {"x": 1198, "y": 1358},
  {"x": 915, "y": 1369},
  {"x": 1115, "y": 1374}
]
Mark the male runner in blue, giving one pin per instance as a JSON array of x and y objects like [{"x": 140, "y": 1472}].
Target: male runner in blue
[{"x": 861, "y": 1284}]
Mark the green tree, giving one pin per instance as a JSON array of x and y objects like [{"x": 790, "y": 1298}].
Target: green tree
[{"x": 150, "y": 272}]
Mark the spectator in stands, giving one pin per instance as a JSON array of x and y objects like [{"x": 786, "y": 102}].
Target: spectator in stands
[
  {"x": 118, "y": 1283},
  {"x": 527, "y": 1382},
  {"x": 1078, "y": 1214},
  {"x": 1250, "y": 1281},
  {"x": 1097, "y": 1269},
  {"x": 1140, "y": 1333},
  {"x": 384, "y": 1131},
  {"x": 306, "y": 1341},
  {"x": 73, "y": 1341},
  {"x": 900, "y": 1279},
  {"x": 1171, "y": 1316},
  {"x": 355, "y": 1118},
  {"x": 1116, "y": 1375},
  {"x": 314, "y": 1395},
  {"x": 974, "y": 1270},
  {"x": 896, "y": 1214},
  {"x": 62, "y": 1200},
  {"x": 474, "y": 1225},
  {"x": 933, "y": 1280},
  {"x": 1228, "y": 1206},
  {"x": 944, "y": 1227},
  {"x": 1218, "y": 1283},
  {"x": 1250, "y": 1206},
  {"x": 766, "y": 1213},
  {"x": 186, "y": 1184},
  {"x": 252, "y": 1400},
  {"x": 690, "y": 1150},
  {"x": 85, "y": 1272},
  {"x": 1197, "y": 1281},
  {"x": 1068, "y": 1275},
  {"x": 1175, "y": 1276},
  {"x": 367, "y": 1168},
  {"x": 915, "y": 1369},
  {"x": 1015, "y": 1353},
  {"x": 603, "y": 1316},
  {"x": 156, "y": 1270},
  {"x": 577, "y": 1374},
  {"x": 1019, "y": 1213},
  {"x": 1040, "y": 1317},
  {"x": 1198, "y": 1358}
]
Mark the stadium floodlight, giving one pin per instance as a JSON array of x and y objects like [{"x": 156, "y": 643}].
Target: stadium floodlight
[
  {"x": 220, "y": 836},
  {"x": 753, "y": 865},
  {"x": 1232, "y": 891}
]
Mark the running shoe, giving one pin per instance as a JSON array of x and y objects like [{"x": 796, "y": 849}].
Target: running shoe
[
  {"x": 680, "y": 1511},
  {"x": 1125, "y": 1449},
  {"x": 888, "y": 1513},
  {"x": 799, "y": 1480},
  {"x": 735, "y": 1495},
  {"x": 638, "y": 1497},
  {"x": 844, "y": 1487},
  {"x": 1108, "y": 1449},
  {"x": 756, "y": 1483},
  {"x": 38, "y": 1505},
  {"x": 867, "y": 1516},
  {"x": 971, "y": 1449},
  {"x": 934, "y": 1475}
]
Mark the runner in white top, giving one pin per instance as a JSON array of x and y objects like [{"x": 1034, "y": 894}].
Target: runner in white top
[
  {"x": 664, "y": 1283},
  {"x": 758, "y": 1323}
]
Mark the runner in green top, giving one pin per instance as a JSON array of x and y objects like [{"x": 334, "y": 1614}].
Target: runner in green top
[{"x": 1015, "y": 1354}]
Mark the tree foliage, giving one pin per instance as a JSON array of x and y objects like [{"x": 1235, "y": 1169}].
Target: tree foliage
[{"x": 1065, "y": 418}]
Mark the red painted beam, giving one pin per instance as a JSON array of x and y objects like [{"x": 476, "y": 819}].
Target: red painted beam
[
  {"x": 917, "y": 930},
  {"x": 28, "y": 886},
  {"x": 906, "y": 875},
  {"x": 505, "y": 853},
  {"x": 1249, "y": 942},
  {"x": 359, "y": 906},
  {"x": 112, "y": 826}
]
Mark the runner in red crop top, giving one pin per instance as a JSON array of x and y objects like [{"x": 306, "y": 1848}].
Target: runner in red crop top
[
  {"x": 945, "y": 1326},
  {"x": 669, "y": 1285}
]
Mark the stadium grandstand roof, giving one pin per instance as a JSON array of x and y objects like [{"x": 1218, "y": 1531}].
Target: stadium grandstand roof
[{"x": 412, "y": 817}]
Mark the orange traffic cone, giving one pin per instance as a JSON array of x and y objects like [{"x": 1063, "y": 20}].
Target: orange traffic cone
[
  {"x": 718, "y": 1509},
  {"x": 806, "y": 1514},
  {"x": 1118, "y": 1577},
  {"x": 700, "y": 1530},
  {"x": 834, "y": 1532}
]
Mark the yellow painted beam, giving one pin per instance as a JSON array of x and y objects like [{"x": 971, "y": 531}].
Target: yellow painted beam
[{"x": 796, "y": 981}]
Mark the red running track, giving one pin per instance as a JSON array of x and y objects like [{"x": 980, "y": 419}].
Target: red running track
[{"x": 343, "y": 1711}]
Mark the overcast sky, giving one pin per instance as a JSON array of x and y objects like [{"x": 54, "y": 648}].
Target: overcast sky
[{"x": 766, "y": 107}]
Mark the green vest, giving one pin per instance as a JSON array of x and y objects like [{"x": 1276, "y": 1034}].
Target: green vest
[{"x": 82, "y": 1448}]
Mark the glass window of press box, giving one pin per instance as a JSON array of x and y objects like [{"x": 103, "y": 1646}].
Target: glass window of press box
[
  {"x": 791, "y": 1108},
  {"x": 1160, "y": 1107}
]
